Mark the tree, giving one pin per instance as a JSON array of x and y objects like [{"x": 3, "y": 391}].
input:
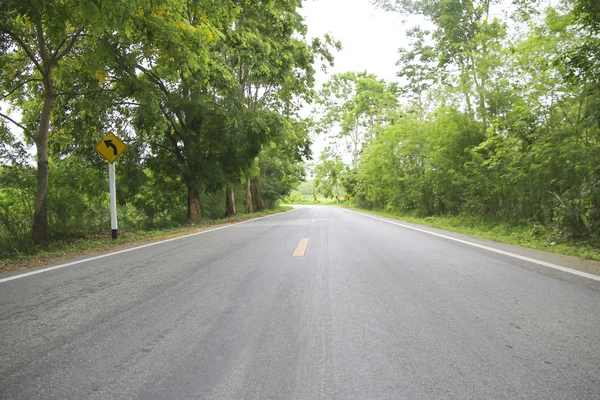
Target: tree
[
  {"x": 512, "y": 134},
  {"x": 328, "y": 173},
  {"x": 281, "y": 162},
  {"x": 209, "y": 75},
  {"x": 174, "y": 71},
  {"x": 204, "y": 94},
  {"x": 467, "y": 41},
  {"x": 360, "y": 104},
  {"x": 418, "y": 66},
  {"x": 37, "y": 38},
  {"x": 272, "y": 63}
]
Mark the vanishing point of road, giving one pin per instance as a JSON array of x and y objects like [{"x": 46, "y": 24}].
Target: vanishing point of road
[{"x": 315, "y": 303}]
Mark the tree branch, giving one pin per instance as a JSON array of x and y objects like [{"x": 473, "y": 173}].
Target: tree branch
[
  {"x": 154, "y": 79},
  {"x": 175, "y": 151},
  {"x": 127, "y": 103},
  {"x": 171, "y": 122},
  {"x": 66, "y": 93},
  {"x": 23, "y": 127},
  {"x": 23, "y": 46},
  {"x": 163, "y": 89},
  {"x": 19, "y": 86},
  {"x": 52, "y": 59},
  {"x": 42, "y": 43},
  {"x": 58, "y": 55}
]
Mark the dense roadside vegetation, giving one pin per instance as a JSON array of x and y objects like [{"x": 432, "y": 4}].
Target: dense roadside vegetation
[
  {"x": 204, "y": 93},
  {"x": 495, "y": 120}
]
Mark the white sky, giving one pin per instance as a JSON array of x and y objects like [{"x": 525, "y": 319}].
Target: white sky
[{"x": 370, "y": 38}]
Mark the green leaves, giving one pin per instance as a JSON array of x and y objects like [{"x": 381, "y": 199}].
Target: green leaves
[
  {"x": 203, "y": 92},
  {"x": 360, "y": 103},
  {"x": 507, "y": 128},
  {"x": 328, "y": 173}
]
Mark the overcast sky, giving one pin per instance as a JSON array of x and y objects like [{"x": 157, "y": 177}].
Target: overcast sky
[{"x": 370, "y": 38}]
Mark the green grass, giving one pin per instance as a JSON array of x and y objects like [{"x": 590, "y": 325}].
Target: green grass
[
  {"x": 526, "y": 236},
  {"x": 96, "y": 242},
  {"x": 298, "y": 198}
]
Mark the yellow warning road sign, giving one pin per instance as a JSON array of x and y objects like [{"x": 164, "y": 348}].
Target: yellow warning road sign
[
  {"x": 110, "y": 147},
  {"x": 348, "y": 198}
]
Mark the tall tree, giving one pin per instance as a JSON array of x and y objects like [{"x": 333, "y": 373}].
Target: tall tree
[
  {"x": 36, "y": 38},
  {"x": 418, "y": 66},
  {"x": 328, "y": 173},
  {"x": 175, "y": 73},
  {"x": 280, "y": 164},
  {"x": 360, "y": 104},
  {"x": 513, "y": 132},
  {"x": 273, "y": 65}
]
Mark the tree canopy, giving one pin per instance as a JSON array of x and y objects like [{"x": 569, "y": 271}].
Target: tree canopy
[
  {"x": 206, "y": 95},
  {"x": 496, "y": 118}
]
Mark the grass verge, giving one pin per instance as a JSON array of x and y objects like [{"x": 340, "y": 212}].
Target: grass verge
[
  {"x": 301, "y": 199},
  {"x": 101, "y": 242},
  {"x": 532, "y": 237}
]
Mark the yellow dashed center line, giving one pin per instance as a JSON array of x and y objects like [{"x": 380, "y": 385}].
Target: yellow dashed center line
[{"x": 301, "y": 248}]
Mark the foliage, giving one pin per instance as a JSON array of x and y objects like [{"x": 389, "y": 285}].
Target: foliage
[
  {"x": 328, "y": 174},
  {"x": 360, "y": 104},
  {"x": 205, "y": 95},
  {"x": 498, "y": 120},
  {"x": 38, "y": 41}
]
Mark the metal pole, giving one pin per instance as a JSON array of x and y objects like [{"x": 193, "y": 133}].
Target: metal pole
[{"x": 113, "y": 200}]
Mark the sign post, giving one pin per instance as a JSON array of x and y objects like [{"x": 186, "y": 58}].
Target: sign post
[
  {"x": 349, "y": 203},
  {"x": 111, "y": 147},
  {"x": 114, "y": 227}
]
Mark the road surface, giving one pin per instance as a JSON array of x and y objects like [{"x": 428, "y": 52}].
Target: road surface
[{"x": 360, "y": 309}]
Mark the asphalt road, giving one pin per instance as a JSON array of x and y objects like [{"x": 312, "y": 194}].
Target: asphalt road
[{"x": 369, "y": 310}]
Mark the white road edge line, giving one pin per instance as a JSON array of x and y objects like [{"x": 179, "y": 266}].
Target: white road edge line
[
  {"x": 41, "y": 270},
  {"x": 506, "y": 253}
]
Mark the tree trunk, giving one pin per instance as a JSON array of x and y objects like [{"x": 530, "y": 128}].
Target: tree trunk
[
  {"x": 193, "y": 204},
  {"x": 39, "y": 231},
  {"x": 249, "y": 209},
  {"x": 355, "y": 154},
  {"x": 259, "y": 203},
  {"x": 229, "y": 202}
]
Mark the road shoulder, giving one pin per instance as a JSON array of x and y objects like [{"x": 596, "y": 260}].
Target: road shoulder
[
  {"x": 572, "y": 262},
  {"x": 48, "y": 261}
]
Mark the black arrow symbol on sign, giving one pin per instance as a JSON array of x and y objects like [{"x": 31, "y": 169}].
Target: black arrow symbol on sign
[{"x": 109, "y": 143}]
